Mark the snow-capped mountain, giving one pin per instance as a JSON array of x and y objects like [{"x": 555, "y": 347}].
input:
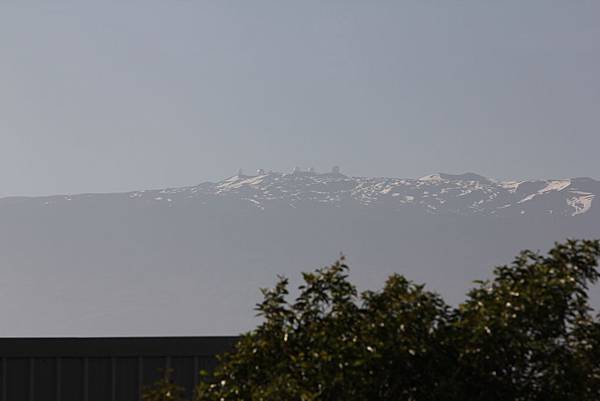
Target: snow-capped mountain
[
  {"x": 464, "y": 194},
  {"x": 437, "y": 193},
  {"x": 190, "y": 261}
]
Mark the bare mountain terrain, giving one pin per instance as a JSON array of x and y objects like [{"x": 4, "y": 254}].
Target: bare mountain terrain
[{"x": 190, "y": 261}]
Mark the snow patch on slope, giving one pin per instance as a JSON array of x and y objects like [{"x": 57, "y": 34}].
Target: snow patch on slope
[
  {"x": 581, "y": 202},
  {"x": 551, "y": 186},
  {"x": 510, "y": 186},
  {"x": 557, "y": 185}
]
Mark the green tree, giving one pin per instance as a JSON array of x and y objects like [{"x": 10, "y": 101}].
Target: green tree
[
  {"x": 164, "y": 389},
  {"x": 332, "y": 344},
  {"x": 527, "y": 334}
]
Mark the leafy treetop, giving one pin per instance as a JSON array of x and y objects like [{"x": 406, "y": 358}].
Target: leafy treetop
[{"x": 528, "y": 334}]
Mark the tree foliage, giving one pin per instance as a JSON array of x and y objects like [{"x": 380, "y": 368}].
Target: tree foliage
[
  {"x": 527, "y": 334},
  {"x": 164, "y": 389}
]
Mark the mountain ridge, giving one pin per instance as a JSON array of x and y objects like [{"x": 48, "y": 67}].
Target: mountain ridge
[
  {"x": 190, "y": 260},
  {"x": 439, "y": 193}
]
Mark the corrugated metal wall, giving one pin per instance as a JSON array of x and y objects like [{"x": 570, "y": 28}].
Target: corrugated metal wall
[{"x": 100, "y": 369}]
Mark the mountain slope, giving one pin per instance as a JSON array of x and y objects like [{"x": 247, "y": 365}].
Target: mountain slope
[
  {"x": 465, "y": 194},
  {"x": 189, "y": 261}
]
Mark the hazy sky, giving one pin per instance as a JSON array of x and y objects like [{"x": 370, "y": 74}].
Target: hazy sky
[{"x": 116, "y": 95}]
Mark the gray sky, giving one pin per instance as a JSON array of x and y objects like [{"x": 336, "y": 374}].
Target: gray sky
[{"x": 116, "y": 95}]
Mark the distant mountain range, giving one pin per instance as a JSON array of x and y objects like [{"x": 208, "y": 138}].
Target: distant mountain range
[
  {"x": 462, "y": 194},
  {"x": 190, "y": 260}
]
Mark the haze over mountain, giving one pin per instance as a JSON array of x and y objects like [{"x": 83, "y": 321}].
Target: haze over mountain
[{"x": 190, "y": 260}]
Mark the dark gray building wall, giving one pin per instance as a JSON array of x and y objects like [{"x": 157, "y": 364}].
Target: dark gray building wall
[{"x": 100, "y": 369}]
